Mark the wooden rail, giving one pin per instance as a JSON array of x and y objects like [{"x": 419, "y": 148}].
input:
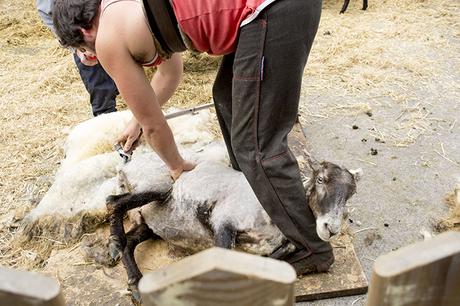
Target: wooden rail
[
  {"x": 220, "y": 277},
  {"x": 422, "y": 274},
  {"x": 21, "y": 288}
]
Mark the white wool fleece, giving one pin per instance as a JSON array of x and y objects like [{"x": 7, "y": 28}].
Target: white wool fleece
[{"x": 88, "y": 172}]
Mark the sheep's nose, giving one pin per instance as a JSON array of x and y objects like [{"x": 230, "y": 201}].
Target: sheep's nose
[{"x": 332, "y": 230}]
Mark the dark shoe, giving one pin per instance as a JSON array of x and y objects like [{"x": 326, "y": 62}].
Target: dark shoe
[
  {"x": 283, "y": 250},
  {"x": 305, "y": 263}
]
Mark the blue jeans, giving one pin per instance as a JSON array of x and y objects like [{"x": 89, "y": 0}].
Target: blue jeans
[{"x": 100, "y": 86}]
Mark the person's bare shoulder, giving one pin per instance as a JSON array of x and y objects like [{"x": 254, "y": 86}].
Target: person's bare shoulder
[{"x": 123, "y": 25}]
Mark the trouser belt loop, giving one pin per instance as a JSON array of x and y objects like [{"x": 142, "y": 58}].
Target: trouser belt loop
[{"x": 163, "y": 25}]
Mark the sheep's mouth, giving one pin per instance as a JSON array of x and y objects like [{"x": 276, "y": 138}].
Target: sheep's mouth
[
  {"x": 327, "y": 225},
  {"x": 324, "y": 235}
]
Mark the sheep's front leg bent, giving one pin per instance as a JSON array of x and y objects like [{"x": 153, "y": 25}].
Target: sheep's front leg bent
[
  {"x": 225, "y": 236},
  {"x": 136, "y": 235},
  {"x": 117, "y": 206}
]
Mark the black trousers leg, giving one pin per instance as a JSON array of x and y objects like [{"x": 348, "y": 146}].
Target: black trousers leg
[
  {"x": 100, "y": 86},
  {"x": 266, "y": 79},
  {"x": 222, "y": 95}
]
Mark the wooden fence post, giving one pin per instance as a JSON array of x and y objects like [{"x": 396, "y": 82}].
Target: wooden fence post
[
  {"x": 220, "y": 277},
  {"x": 422, "y": 274},
  {"x": 20, "y": 288}
]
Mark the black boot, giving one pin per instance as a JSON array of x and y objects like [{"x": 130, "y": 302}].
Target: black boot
[{"x": 305, "y": 262}]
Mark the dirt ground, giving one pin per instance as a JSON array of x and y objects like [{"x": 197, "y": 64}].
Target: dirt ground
[
  {"x": 381, "y": 91},
  {"x": 392, "y": 108}
]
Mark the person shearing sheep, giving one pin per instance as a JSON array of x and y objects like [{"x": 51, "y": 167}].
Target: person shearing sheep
[{"x": 265, "y": 45}]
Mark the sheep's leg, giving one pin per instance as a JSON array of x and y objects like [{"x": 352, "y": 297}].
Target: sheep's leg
[
  {"x": 345, "y": 6},
  {"x": 117, "y": 206},
  {"x": 225, "y": 236},
  {"x": 136, "y": 235},
  {"x": 285, "y": 249},
  {"x": 364, "y": 5}
]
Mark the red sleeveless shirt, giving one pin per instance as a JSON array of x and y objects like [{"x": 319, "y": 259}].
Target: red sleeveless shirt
[{"x": 213, "y": 25}]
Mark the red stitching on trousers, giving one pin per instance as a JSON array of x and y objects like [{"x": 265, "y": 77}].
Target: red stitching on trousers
[{"x": 274, "y": 157}]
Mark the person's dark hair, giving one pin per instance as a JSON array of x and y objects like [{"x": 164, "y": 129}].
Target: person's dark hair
[{"x": 69, "y": 16}]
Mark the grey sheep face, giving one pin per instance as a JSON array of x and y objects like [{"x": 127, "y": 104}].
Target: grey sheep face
[{"x": 330, "y": 187}]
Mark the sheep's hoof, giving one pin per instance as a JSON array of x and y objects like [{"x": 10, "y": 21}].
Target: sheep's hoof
[
  {"x": 135, "y": 294},
  {"x": 100, "y": 255},
  {"x": 115, "y": 249}
]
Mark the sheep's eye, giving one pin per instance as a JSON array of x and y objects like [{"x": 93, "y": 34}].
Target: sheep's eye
[{"x": 319, "y": 180}]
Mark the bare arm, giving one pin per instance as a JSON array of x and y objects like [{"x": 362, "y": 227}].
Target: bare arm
[
  {"x": 164, "y": 83},
  {"x": 167, "y": 78},
  {"x": 142, "y": 100}
]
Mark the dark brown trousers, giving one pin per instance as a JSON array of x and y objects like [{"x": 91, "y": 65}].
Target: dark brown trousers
[{"x": 256, "y": 94}]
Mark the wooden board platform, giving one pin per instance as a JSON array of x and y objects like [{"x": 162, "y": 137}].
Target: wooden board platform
[{"x": 346, "y": 276}]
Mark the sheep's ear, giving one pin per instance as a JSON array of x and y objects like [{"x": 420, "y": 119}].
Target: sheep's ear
[
  {"x": 357, "y": 174},
  {"x": 314, "y": 165}
]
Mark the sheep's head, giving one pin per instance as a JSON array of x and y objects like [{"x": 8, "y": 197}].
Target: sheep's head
[{"x": 327, "y": 193}]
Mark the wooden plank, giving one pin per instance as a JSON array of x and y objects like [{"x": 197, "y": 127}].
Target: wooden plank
[
  {"x": 422, "y": 274},
  {"x": 346, "y": 277},
  {"x": 21, "y": 288},
  {"x": 220, "y": 277}
]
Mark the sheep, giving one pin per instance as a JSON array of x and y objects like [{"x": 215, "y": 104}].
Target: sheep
[
  {"x": 213, "y": 205},
  {"x": 345, "y": 6}
]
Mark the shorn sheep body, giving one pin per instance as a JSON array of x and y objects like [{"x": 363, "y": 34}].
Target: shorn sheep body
[
  {"x": 210, "y": 205},
  {"x": 204, "y": 203}
]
